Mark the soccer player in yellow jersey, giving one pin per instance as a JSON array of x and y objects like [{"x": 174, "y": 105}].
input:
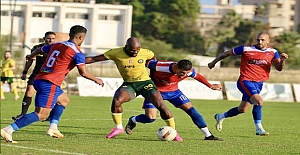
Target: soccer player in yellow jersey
[
  {"x": 8, "y": 65},
  {"x": 131, "y": 62}
]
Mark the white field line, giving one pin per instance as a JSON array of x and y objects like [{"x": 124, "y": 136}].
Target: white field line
[{"x": 43, "y": 150}]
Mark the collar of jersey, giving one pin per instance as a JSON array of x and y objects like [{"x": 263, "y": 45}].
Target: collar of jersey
[
  {"x": 71, "y": 41},
  {"x": 125, "y": 52}
]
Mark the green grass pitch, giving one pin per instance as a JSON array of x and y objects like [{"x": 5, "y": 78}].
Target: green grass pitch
[{"x": 87, "y": 120}]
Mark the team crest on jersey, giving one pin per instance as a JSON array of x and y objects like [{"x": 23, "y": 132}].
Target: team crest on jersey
[
  {"x": 140, "y": 61},
  {"x": 129, "y": 61}
]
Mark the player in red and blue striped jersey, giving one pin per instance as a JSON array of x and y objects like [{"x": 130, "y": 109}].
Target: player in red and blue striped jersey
[
  {"x": 255, "y": 68},
  {"x": 166, "y": 76},
  {"x": 62, "y": 57}
]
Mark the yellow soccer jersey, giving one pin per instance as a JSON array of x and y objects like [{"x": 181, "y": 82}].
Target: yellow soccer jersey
[
  {"x": 132, "y": 69},
  {"x": 6, "y": 64}
]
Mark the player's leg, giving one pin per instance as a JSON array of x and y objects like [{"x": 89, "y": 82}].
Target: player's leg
[
  {"x": 45, "y": 99},
  {"x": 55, "y": 115},
  {"x": 13, "y": 87},
  {"x": 26, "y": 102},
  {"x": 179, "y": 100},
  {"x": 3, "y": 79},
  {"x": 247, "y": 88},
  {"x": 124, "y": 93},
  {"x": 150, "y": 93},
  {"x": 148, "y": 117},
  {"x": 257, "y": 101}
]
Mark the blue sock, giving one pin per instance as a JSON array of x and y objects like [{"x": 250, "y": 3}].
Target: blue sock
[
  {"x": 196, "y": 117},
  {"x": 56, "y": 113},
  {"x": 142, "y": 118},
  {"x": 257, "y": 114},
  {"x": 232, "y": 112},
  {"x": 25, "y": 120}
]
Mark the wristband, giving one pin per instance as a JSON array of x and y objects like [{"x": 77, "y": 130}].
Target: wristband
[{"x": 24, "y": 72}]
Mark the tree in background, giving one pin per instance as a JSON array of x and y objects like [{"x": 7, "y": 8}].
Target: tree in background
[
  {"x": 289, "y": 42},
  {"x": 171, "y": 21},
  {"x": 233, "y": 31}
]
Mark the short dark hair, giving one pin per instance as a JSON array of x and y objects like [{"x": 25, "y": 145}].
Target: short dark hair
[
  {"x": 76, "y": 29},
  {"x": 184, "y": 64},
  {"x": 48, "y": 33}
]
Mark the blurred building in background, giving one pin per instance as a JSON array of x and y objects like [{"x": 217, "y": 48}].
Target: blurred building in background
[
  {"x": 210, "y": 15},
  {"x": 108, "y": 26},
  {"x": 280, "y": 15}
]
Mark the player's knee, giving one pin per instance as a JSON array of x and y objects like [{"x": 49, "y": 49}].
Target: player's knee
[
  {"x": 29, "y": 93},
  {"x": 260, "y": 102},
  {"x": 116, "y": 102}
]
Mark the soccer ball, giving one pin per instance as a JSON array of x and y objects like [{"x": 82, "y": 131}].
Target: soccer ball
[{"x": 166, "y": 133}]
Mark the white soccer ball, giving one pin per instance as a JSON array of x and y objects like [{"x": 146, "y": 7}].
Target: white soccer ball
[{"x": 166, "y": 133}]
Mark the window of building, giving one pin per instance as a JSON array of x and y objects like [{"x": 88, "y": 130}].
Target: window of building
[
  {"x": 110, "y": 17},
  {"x": 80, "y": 1},
  {"x": 117, "y": 17},
  {"x": 83, "y": 16},
  {"x": 102, "y": 17},
  {"x": 18, "y": 13},
  {"x": 279, "y": 5},
  {"x": 37, "y": 14},
  {"x": 4, "y": 13},
  {"x": 50, "y": 15},
  {"x": 70, "y": 15},
  {"x": 292, "y": 7},
  {"x": 292, "y": 18}
]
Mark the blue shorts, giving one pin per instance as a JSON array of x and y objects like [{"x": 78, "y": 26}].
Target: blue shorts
[
  {"x": 46, "y": 93},
  {"x": 249, "y": 88},
  {"x": 176, "y": 98}
]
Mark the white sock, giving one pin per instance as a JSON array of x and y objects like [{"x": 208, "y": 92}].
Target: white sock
[
  {"x": 119, "y": 126},
  {"x": 259, "y": 126},
  {"x": 206, "y": 132},
  {"x": 133, "y": 119},
  {"x": 53, "y": 126},
  {"x": 9, "y": 129}
]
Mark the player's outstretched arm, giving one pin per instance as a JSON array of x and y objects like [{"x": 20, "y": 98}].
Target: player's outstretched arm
[
  {"x": 92, "y": 59},
  {"x": 86, "y": 74},
  {"x": 279, "y": 63},
  {"x": 26, "y": 68},
  {"x": 219, "y": 58},
  {"x": 203, "y": 80}
]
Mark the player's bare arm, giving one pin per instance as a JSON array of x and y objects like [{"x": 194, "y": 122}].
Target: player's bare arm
[
  {"x": 89, "y": 60},
  {"x": 86, "y": 74},
  {"x": 26, "y": 67},
  {"x": 279, "y": 63},
  {"x": 33, "y": 54},
  {"x": 204, "y": 81},
  {"x": 219, "y": 58}
]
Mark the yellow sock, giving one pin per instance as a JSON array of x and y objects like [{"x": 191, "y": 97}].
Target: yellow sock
[
  {"x": 170, "y": 122},
  {"x": 1, "y": 91},
  {"x": 117, "y": 117},
  {"x": 15, "y": 90}
]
